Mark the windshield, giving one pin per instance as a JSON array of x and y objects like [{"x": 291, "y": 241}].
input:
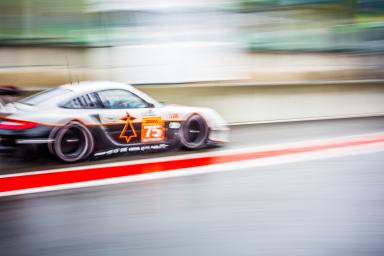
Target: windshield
[{"x": 44, "y": 96}]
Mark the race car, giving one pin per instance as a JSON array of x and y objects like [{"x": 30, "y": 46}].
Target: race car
[{"x": 101, "y": 118}]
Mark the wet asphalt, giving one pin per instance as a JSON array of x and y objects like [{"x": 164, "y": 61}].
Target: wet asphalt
[{"x": 332, "y": 206}]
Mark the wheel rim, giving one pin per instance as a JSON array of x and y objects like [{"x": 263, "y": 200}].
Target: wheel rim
[
  {"x": 73, "y": 143},
  {"x": 193, "y": 131}
]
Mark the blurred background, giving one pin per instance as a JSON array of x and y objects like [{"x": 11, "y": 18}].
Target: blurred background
[
  {"x": 179, "y": 41},
  {"x": 223, "y": 54}
]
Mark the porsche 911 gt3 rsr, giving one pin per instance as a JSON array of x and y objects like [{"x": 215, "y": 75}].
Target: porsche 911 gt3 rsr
[{"x": 78, "y": 121}]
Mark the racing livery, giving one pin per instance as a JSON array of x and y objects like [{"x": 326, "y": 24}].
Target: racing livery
[{"x": 100, "y": 118}]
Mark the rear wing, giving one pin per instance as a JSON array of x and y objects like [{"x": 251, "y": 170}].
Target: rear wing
[
  {"x": 7, "y": 94},
  {"x": 9, "y": 90}
]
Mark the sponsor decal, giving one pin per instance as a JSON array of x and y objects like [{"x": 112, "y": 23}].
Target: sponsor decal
[
  {"x": 150, "y": 112},
  {"x": 152, "y": 129},
  {"x": 140, "y": 148},
  {"x": 128, "y": 131},
  {"x": 174, "y": 116}
]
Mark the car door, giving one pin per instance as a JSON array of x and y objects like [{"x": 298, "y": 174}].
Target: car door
[{"x": 128, "y": 119}]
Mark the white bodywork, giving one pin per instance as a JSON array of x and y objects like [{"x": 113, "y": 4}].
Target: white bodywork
[{"x": 51, "y": 113}]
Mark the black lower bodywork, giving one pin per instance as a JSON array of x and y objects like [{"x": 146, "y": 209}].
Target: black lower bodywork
[
  {"x": 19, "y": 140},
  {"x": 107, "y": 141}
]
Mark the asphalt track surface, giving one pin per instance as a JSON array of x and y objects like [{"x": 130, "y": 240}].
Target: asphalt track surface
[{"x": 329, "y": 206}]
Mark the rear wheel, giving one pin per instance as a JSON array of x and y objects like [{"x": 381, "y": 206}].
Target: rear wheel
[
  {"x": 194, "y": 132},
  {"x": 73, "y": 143}
]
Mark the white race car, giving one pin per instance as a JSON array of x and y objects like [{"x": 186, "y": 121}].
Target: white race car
[{"x": 101, "y": 118}]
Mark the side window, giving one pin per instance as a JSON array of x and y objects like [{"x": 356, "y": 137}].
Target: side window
[
  {"x": 87, "y": 101},
  {"x": 118, "y": 99}
]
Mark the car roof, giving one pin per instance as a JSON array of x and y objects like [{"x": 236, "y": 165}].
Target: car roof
[
  {"x": 91, "y": 86},
  {"x": 81, "y": 88},
  {"x": 84, "y": 87}
]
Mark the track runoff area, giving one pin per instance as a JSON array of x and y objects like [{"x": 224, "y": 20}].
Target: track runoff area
[{"x": 192, "y": 164}]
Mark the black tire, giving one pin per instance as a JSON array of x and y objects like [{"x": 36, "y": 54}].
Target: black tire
[
  {"x": 194, "y": 132},
  {"x": 73, "y": 143}
]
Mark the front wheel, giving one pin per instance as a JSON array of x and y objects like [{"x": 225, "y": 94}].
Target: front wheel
[
  {"x": 194, "y": 132},
  {"x": 73, "y": 143}
]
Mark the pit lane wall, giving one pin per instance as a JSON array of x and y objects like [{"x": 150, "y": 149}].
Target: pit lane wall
[{"x": 257, "y": 103}]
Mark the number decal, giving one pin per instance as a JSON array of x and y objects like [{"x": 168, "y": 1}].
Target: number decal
[{"x": 152, "y": 129}]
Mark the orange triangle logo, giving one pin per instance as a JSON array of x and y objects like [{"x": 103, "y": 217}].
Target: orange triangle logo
[{"x": 128, "y": 131}]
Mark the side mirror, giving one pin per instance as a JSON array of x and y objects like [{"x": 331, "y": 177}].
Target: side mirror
[{"x": 150, "y": 105}]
